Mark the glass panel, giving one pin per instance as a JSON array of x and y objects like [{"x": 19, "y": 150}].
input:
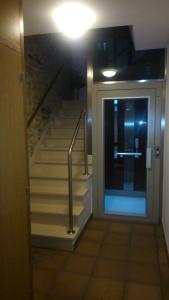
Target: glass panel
[{"x": 125, "y": 131}]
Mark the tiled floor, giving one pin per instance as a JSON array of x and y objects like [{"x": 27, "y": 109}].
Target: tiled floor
[{"x": 112, "y": 261}]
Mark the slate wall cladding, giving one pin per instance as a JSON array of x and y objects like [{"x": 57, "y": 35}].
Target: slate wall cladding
[{"x": 44, "y": 54}]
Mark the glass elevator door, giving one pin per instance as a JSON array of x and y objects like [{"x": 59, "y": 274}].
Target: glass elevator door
[{"x": 126, "y": 155}]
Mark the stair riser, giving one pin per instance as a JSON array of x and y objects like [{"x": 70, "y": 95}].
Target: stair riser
[
  {"x": 69, "y": 114},
  {"x": 54, "y": 219},
  {"x": 65, "y": 123},
  {"x": 61, "y": 183},
  {"x": 64, "y": 133},
  {"x": 65, "y": 143},
  {"x": 57, "y": 171},
  {"x": 59, "y": 156},
  {"x": 48, "y": 199}
]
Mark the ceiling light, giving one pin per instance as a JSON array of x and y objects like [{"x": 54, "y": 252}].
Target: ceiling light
[
  {"x": 73, "y": 19},
  {"x": 142, "y": 80},
  {"x": 109, "y": 82},
  {"x": 109, "y": 72}
]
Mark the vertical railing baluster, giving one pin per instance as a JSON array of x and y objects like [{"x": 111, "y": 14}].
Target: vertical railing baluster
[{"x": 85, "y": 145}]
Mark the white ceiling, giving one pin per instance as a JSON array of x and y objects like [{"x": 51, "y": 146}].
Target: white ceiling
[{"x": 149, "y": 18}]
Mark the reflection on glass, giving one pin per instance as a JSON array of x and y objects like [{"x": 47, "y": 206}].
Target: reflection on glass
[{"x": 125, "y": 155}]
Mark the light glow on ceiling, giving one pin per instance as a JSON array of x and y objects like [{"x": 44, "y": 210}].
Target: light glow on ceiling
[
  {"x": 74, "y": 19},
  {"x": 109, "y": 73}
]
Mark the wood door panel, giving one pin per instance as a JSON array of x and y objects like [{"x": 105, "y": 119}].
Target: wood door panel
[
  {"x": 14, "y": 208},
  {"x": 10, "y": 23}
]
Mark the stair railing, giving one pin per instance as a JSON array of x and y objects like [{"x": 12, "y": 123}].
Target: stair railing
[{"x": 83, "y": 115}]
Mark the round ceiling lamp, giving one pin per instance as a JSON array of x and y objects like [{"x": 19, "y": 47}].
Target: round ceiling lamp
[
  {"x": 109, "y": 73},
  {"x": 74, "y": 19}
]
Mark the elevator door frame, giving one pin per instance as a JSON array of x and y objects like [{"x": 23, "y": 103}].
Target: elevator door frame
[{"x": 152, "y": 91}]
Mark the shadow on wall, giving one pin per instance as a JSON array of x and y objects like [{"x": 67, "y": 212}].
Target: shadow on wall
[{"x": 44, "y": 55}]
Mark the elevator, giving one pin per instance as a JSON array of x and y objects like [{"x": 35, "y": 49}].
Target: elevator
[{"x": 127, "y": 150}]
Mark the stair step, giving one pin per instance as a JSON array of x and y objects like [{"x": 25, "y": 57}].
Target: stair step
[
  {"x": 62, "y": 183},
  {"x": 60, "y": 199},
  {"x": 63, "y": 133},
  {"x": 69, "y": 114},
  {"x": 65, "y": 123},
  {"x": 55, "y": 209},
  {"x": 54, "y": 155},
  {"x": 57, "y": 170},
  {"x": 64, "y": 143},
  {"x": 56, "y": 214},
  {"x": 57, "y": 191},
  {"x": 59, "y": 162},
  {"x": 50, "y": 230}
]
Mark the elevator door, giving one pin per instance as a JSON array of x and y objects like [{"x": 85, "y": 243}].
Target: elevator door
[
  {"x": 125, "y": 155},
  {"x": 126, "y": 148}
]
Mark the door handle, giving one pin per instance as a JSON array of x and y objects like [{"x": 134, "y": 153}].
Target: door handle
[{"x": 148, "y": 158}]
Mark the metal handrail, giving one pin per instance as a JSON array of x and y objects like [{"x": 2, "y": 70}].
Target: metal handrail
[
  {"x": 44, "y": 97},
  {"x": 82, "y": 114}
]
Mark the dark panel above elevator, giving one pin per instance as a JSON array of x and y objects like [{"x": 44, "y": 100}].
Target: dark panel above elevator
[{"x": 114, "y": 48}]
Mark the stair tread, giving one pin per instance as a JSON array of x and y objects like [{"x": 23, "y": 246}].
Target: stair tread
[
  {"x": 62, "y": 178},
  {"x": 80, "y": 191},
  {"x": 62, "y": 138},
  {"x": 61, "y": 162},
  {"x": 65, "y": 149},
  {"x": 56, "y": 208},
  {"x": 50, "y": 230}
]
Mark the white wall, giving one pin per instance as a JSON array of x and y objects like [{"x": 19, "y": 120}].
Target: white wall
[{"x": 165, "y": 210}]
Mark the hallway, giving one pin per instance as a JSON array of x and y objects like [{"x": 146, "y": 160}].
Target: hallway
[{"x": 112, "y": 261}]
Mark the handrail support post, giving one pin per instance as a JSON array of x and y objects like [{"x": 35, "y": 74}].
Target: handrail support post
[
  {"x": 85, "y": 146},
  {"x": 70, "y": 230}
]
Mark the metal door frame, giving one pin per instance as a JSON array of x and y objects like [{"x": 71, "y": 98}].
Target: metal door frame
[{"x": 152, "y": 91}]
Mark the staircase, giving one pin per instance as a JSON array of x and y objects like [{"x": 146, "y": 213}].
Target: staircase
[{"x": 49, "y": 182}]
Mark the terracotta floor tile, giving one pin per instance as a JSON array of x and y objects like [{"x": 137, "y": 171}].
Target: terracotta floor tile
[
  {"x": 43, "y": 279},
  {"x": 114, "y": 252},
  {"x": 161, "y": 242},
  {"x": 144, "y": 241},
  {"x": 159, "y": 230},
  {"x": 53, "y": 262},
  {"x": 87, "y": 248},
  {"x": 144, "y": 273},
  {"x": 120, "y": 227},
  {"x": 98, "y": 224},
  {"x": 79, "y": 264},
  {"x": 142, "y": 255},
  {"x": 117, "y": 239},
  {"x": 141, "y": 228},
  {"x": 93, "y": 235},
  {"x": 143, "y": 292},
  {"x": 104, "y": 289},
  {"x": 68, "y": 286},
  {"x": 109, "y": 268},
  {"x": 38, "y": 296},
  {"x": 165, "y": 274},
  {"x": 166, "y": 293},
  {"x": 163, "y": 257}
]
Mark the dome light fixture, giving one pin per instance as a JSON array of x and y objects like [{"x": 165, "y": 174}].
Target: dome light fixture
[
  {"x": 109, "y": 73},
  {"x": 74, "y": 19}
]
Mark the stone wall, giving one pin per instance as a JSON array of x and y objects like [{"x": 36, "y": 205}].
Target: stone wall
[{"x": 44, "y": 55}]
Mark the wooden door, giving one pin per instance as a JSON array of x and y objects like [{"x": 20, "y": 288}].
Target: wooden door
[{"x": 15, "y": 271}]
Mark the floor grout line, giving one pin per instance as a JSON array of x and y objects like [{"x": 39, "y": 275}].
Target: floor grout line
[
  {"x": 128, "y": 261},
  {"x": 159, "y": 268},
  {"x": 94, "y": 264}
]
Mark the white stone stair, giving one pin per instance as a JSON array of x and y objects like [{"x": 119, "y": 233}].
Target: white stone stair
[{"x": 49, "y": 182}]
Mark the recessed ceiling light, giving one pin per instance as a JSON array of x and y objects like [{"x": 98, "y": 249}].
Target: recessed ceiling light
[
  {"x": 142, "y": 80},
  {"x": 109, "y": 72},
  {"x": 73, "y": 19}
]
